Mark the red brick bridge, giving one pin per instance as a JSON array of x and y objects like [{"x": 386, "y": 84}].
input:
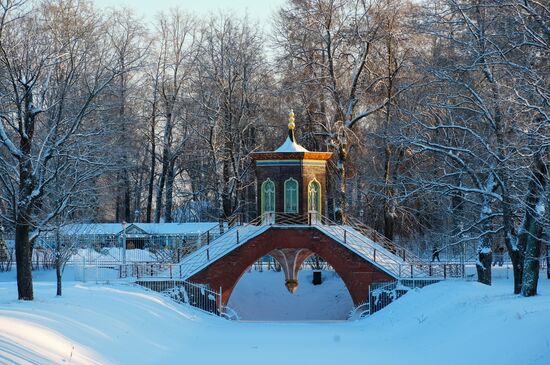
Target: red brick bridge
[
  {"x": 356, "y": 272},
  {"x": 357, "y": 253}
]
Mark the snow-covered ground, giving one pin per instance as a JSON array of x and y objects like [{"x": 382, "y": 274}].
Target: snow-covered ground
[
  {"x": 272, "y": 301},
  {"x": 453, "y": 322},
  {"x": 92, "y": 273}
]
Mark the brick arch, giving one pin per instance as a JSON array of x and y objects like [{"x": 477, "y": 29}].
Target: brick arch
[{"x": 356, "y": 272}]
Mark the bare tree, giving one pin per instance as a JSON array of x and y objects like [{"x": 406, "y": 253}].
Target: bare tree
[
  {"x": 469, "y": 122},
  {"x": 177, "y": 38},
  {"x": 230, "y": 83},
  {"x": 337, "y": 44},
  {"x": 56, "y": 63}
]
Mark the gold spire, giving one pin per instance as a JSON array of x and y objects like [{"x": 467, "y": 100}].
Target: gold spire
[{"x": 291, "y": 124}]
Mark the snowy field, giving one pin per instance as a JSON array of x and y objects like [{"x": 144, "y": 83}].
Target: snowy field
[
  {"x": 447, "y": 323},
  {"x": 272, "y": 301}
]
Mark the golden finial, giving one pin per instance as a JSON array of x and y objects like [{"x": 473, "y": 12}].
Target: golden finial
[{"x": 291, "y": 124}]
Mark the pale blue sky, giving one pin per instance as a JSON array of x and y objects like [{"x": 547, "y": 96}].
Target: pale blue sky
[{"x": 260, "y": 10}]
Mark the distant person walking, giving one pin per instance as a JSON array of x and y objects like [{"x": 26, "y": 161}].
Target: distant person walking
[
  {"x": 499, "y": 256},
  {"x": 435, "y": 254}
]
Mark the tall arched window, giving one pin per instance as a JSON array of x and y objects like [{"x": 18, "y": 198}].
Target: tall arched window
[
  {"x": 291, "y": 196},
  {"x": 314, "y": 200},
  {"x": 268, "y": 196}
]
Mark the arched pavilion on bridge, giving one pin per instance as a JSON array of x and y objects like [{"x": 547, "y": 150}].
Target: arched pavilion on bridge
[{"x": 291, "y": 226}]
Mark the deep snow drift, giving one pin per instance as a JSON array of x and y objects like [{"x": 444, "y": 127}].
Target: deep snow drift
[{"x": 447, "y": 323}]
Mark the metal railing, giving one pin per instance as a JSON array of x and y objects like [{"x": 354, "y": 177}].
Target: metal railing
[
  {"x": 399, "y": 261},
  {"x": 388, "y": 256},
  {"x": 410, "y": 266},
  {"x": 102, "y": 272},
  {"x": 99, "y": 272},
  {"x": 384, "y": 293},
  {"x": 415, "y": 263},
  {"x": 198, "y": 296},
  {"x": 309, "y": 264},
  {"x": 222, "y": 239},
  {"x": 222, "y": 245},
  {"x": 217, "y": 231},
  {"x": 240, "y": 234}
]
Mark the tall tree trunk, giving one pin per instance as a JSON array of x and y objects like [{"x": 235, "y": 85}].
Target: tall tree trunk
[
  {"x": 485, "y": 252},
  {"x": 127, "y": 215},
  {"x": 151, "y": 185},
  {"x": 117, "y": 199},
  {"x": 483, "y": 265},
  {"x": 340, "y": 209},
  {"x": 532, "y": 230},
  {"x": 389, "y": 203},
  {"x": 58, "y": 277},
  {"x": 27, "y": 185},
  {"x": 515, "y": 247},
  {"x": 531, "y": 265},
  {"x": 58, "y": 262},
  {"x": 389, "y": 207},
  {"x": 23, "y": 257},
  {"x": 165, "y": 164},
  {"x": 227, "y": 152},
  {"x": 160, "y": 192},
  {"x": 497, "y": 121},
  {"x": 138, "y": 191},
  {"x": 226, "y": 173},
  {"x": 514, "y": 251},
  {"x": 169, "y": 192},
  {"x": 226, "y": 195}
]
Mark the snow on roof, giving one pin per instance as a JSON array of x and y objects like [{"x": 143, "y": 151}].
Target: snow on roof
[
  {"x": 175, "y": 228},
  {"x": 149, "y": 228},
  {"x": 290, "y": 146},
  {"x": 91, "y": 229}
]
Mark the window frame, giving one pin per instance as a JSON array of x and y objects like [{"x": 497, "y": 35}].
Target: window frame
[
  {"x": 287, "y": 195},
  {"x": 319, "y": 199},
  {"x": 263, "y": 195}
]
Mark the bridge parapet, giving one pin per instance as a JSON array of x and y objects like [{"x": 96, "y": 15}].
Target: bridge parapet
[{"x": 365, "y": 241}]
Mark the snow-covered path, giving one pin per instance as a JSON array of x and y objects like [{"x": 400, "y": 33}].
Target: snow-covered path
[{"x": 447, "y": 323}]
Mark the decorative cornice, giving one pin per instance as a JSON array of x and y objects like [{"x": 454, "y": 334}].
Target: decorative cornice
[
  {"x": 322, "y": 156},
  {"x": 290, "y": 162}
]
